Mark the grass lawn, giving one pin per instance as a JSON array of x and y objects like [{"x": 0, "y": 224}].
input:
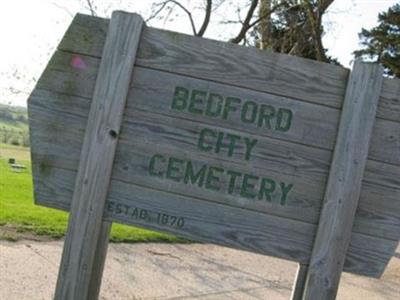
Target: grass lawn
[{"x": 18, "y": 211}]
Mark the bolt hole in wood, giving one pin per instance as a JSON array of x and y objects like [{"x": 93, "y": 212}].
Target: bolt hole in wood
[{"x": 113, "y": 133}]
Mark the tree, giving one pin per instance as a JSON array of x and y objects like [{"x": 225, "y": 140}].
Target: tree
[
  {"x": 170, "y": 5},
  {"x": 382, "y": 43},
  {"x": 293, "y": 27},
  {"x": 286, "y": 26}
]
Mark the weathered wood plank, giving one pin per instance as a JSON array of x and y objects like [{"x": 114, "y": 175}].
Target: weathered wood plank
[
  {"x": 344, "y": 182},
  {"x": 389, "y": 102},
  {"x": 86, "y": 36},
  {"x": 218, "y": 223},
  {"x": 378, "y": 212},
  {"x": 385, "y": 142},
  {"x": 299, "y": 283},
  {"x": 97, "y": 157},
  {"x": 300, "y": 155},
  {"x": 99, "y": 261},
  {"x": 179, "y": 53},
  {"x": 313, "y": 125}
]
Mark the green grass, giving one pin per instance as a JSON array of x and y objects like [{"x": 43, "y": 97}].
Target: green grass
[
  {"x": 16, "y": 126},
  {"x": 18, "y": 210}
]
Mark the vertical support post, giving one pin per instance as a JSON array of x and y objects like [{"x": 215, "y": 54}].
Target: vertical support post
[
  {"x": 300, "y": 282},
  {"x": 96, "y": 161},
  {"x": 99, "y": 261},
  {"x": 344, "y": 182}
]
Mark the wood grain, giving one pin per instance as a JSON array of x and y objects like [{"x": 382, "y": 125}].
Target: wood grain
[
  {"x": 380, "y": 200},
  {"x": 179, "y": 53},
  {"x": 299, "y": 282},
  {"x": 221, "y": 224},
  {"x": 99, "y": 261},
  {"x": 344, "y": 182},
  {"x": 60, "y": 108},
  {"x": 97, "y": 158},
  {"x": 313, "y": 125},
  {"x": 389, "y": 102},
  {"x": 158, "y": 48},
  {"x": 379, "y": 207}
]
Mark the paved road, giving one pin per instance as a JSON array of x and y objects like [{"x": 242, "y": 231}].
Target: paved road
[{"x": 28, "y": 270}]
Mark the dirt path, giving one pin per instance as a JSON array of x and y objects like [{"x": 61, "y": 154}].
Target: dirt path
[{"x": 28, "y": 270}]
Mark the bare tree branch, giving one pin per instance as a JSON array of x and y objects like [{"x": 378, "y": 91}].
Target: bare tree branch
[
  {"x": 63, "y": 8},
  {"x": 227, "y": 22},
  {"x": 246, "y": 24},
  {"x": 300, "y": 37},
  {"x": 206, "y": 19},
  {"x": 189, "y": 14},
  {"x": 157, "y": 12},
  {"x": 162, "y": 6},
  {"x": 324, "y": 4},
  {"x": 272, "y": 10},
  {"x": 92, "y": 11}
]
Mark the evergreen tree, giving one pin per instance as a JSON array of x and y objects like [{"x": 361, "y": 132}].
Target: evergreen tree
[{"x": 382, "y": 43}]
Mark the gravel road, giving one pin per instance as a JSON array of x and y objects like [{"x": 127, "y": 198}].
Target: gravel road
[{"x": 28, "y": 270}]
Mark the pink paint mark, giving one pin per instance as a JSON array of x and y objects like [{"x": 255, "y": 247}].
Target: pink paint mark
[{"x": 78, "y": 63}]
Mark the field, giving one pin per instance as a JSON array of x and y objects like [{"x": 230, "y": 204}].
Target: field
[
  {"x": 19, "y": 215},
  {"x": 14, "y": 125}
]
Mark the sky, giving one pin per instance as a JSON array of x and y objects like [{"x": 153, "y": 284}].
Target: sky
[{"x": 32, "y": 29}]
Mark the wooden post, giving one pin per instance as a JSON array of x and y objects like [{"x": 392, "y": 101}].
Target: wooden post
[
  {"x": 298, "y": 287},
  {"x": 344, "y": 182},
  {"x": 99, "y": 261},
  {"x": 97, "y": 158}
]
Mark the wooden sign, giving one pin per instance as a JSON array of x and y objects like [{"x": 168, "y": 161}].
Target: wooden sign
[{"x": 219, "y": 143}]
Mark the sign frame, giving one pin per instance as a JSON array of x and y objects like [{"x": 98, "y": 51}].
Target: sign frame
[{"x": 82, "y": 264}]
